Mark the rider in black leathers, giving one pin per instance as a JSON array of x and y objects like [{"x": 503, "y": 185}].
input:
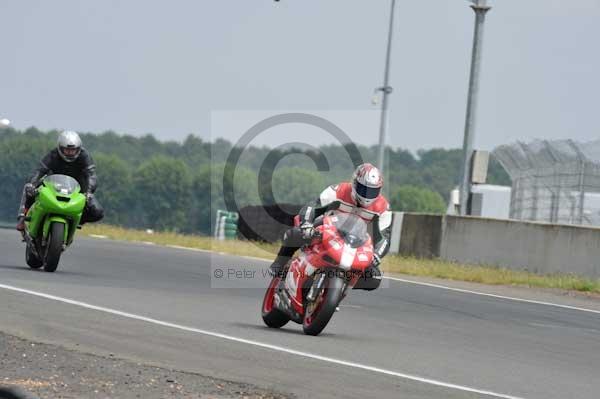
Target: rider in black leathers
[{"x": 71, "y": 159}]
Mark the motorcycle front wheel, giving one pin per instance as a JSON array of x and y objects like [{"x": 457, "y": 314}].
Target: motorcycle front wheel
[
  {"x": 55, "y": 246},
  {"x": 318, "y": 313}
]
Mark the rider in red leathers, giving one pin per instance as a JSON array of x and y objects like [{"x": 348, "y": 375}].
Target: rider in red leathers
[{"x": 362, "y": 194}]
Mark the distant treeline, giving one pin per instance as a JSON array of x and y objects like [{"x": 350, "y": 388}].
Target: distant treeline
[{"x": 172, "y": 185}]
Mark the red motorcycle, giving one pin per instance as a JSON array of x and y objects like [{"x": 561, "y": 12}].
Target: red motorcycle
[{"x": 317, "y": 279}]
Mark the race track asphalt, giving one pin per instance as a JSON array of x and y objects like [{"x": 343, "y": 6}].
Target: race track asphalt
[{"x": 163, "y": 306}]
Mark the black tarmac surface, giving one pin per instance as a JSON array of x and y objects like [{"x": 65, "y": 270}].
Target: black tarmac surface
[{"x": 401, "y": 341}]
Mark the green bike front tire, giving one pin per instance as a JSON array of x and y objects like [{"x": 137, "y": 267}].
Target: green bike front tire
[{"x": 55, "y": 246}]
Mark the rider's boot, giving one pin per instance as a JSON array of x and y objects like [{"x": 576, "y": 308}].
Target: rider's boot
[
  {"x": 283, "y": 257},
  {"x": 370, "y": 280},
  {"x": 277, "y": 267},
  {"x": 21, "y": 222}
]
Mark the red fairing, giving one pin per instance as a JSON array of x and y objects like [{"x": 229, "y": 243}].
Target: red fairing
[{"x": 330, "y": 251}]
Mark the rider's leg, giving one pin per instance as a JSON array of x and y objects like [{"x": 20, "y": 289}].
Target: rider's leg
[
  {"x": 283, "y": 257},
  {"x": 26, "y": 202},
  {"x": 93, "y": 211},
  {"x": 370, "y": 280},
  {"x": 292, "y": 241}
]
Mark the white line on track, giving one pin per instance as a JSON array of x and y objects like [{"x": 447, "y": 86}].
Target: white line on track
[
  {"x": 188, "y": 248},
  {"x": 261, "y": 344}
]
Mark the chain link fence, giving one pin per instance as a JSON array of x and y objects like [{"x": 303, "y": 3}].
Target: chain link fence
[{"x": 553, "y": 181}]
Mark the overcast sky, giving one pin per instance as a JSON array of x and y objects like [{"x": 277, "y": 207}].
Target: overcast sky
[{"x": 162, "y": 67}]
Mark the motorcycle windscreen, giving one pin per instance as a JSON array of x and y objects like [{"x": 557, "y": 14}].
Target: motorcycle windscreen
[
  {"x": 352, "y": 228},
  {"x": 62, "y": 184}
]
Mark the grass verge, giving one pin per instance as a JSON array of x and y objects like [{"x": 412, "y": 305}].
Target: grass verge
[
  {"x": 237, "y": 247},
  {"x": 391, "y": 264}
]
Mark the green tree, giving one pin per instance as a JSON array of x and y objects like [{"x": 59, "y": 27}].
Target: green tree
[
  {"x": 163, "y": 189},
  {"x": 115, "y": 189},
  {"x": 150, "y": 200},
  {"x": 19, "y": 156},
  {"x": 416, "y": 199},
  {"x": 296, "y": 186},
  {"x": 209, "y": 194}
]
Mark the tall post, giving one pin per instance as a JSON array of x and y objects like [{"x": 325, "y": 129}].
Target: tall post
[
  {"x": 386, "y": 90},
  {"x": 581, "y": 192},
  {"x": 581, "y": 184},
  {"x": 481, "y": 8}
]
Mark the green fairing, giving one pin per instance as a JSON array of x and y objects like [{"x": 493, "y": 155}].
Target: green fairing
[{"x": 48, "y": 209}]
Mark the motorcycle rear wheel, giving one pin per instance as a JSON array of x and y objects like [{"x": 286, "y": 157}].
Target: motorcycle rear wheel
[
  {"x": 316, "y": 320},
  {"x": 273, "y": 317}
]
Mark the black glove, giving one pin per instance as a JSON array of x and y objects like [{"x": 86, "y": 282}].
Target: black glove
[
  {"x": 30, "y": 190},
  {"x": 308, "y": 230}
]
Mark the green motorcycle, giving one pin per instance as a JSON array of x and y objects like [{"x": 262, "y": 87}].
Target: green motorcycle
[{"x": 51, "y": 221}]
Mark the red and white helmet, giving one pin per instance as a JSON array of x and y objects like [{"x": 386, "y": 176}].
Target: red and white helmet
[{"x": 366, "y": 184}]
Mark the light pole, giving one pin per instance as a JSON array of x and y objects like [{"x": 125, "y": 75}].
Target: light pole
[
  {"x": 386, "y": 90},
  {"x": 481, "y": 8}
]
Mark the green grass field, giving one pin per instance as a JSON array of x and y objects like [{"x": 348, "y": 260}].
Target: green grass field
[{"x": 391, "y": 264}]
